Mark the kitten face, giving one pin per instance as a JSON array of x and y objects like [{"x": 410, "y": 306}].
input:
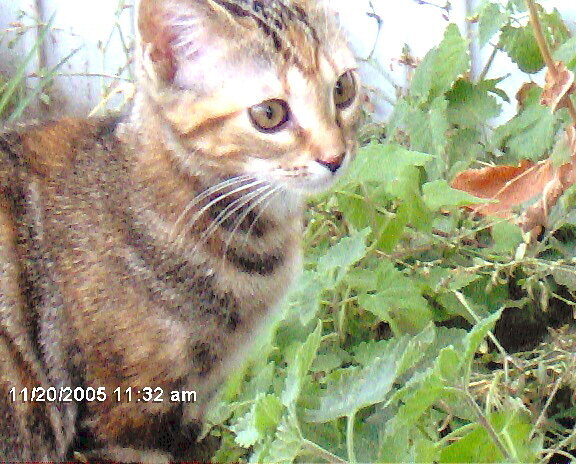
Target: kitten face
[{"x": 274, "y": 93}]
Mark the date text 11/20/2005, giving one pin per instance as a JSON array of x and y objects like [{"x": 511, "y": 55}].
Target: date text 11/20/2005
[{"x": 78, "y": 394}]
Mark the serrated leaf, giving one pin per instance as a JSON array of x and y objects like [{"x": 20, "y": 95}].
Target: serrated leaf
[
  {"x": 306, "y": 295},
  {"x": 491, "y": 19},
  {"x": 383, "y": 163},
  {"x": 300, "y": 366},
  {"x": 267, "y": 413},
  {"x": 530, "y": 133},
  {"x": 438, "y": 194},
  {"x": 344, "y": 254},
  {"x": 397, "y": 301},
  {"x": 245, "y": 429},
  {"x": 439, "y": 125},
  {"x": 287, "y": 442},
  {"x": 416, "y": 349},
  {"x": 471, "y": 105},
  {"x": 441, "y": 66},
  {"x": 354, "y": 388},
  {"x": 521, "y": 46}
]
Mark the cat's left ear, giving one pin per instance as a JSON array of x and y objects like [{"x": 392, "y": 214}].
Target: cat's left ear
[{"x": 178, "y": 34}]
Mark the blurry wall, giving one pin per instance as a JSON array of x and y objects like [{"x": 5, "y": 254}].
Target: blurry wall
[{"x": 101, "y": 33}]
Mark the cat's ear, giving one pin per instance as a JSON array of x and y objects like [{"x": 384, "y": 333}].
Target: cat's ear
[{"x": 177, "y": 33}]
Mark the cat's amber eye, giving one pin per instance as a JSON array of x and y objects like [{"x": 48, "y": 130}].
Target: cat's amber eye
[
  {"x": 269, "y": 116},
  {"x": 345, "y": 90}
]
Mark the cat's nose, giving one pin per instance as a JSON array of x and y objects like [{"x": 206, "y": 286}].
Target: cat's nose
[{"x": 333, "y": 163}]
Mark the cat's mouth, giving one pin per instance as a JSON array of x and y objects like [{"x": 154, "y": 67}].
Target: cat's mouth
[{"x": 309, "y": 178}]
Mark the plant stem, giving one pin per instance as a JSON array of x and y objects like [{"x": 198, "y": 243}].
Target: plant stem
[
  {"x": 317, "y": 450},
  {"x": 545, "y": 51},
  {"x": 488, "y": 65},
  {"x": 487, "y": 425},
  {"x": 551, "y": 397},
  {"x": 350, "y": 438}
]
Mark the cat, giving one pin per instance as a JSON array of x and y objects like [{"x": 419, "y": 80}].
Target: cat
[{"x": 140, "y": 254}]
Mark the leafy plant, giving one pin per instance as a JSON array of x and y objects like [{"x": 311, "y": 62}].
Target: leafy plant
[
  {"x": 387, "y": 349},
  {"x": 13, "y": 98}
]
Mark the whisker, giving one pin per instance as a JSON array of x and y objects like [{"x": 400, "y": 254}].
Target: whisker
[
  {"x": 232, "y": 208},
  {"x": 206, "y": 193},
  {"x": 266, "y": 195},
  {"x": 271, "y": 197}
]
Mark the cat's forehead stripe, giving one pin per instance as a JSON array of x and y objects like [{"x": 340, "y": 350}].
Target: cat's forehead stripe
[{"x": 287, "y": 26}]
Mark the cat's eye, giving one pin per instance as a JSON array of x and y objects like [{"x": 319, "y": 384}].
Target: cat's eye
[
  {"x": 270, "y": 115},
  {"x": 345, "y": 90}
]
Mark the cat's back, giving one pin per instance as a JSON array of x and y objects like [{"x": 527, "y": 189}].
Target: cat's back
[
  {"x": 48, "y": 150},
  {"x": 41, "y": 164}
]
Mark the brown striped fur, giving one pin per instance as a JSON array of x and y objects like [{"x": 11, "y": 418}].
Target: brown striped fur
[{"x": 146, "y": 251}]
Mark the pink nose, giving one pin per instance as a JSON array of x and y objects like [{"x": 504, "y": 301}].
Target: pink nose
[{"x": 332, "y": 164}]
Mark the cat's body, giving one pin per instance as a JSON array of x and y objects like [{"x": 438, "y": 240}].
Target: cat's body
[{"x": 145, "y": 253}]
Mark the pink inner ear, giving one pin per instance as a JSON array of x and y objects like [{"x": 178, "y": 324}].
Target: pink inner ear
[
  {"x": 184, "y": 47},
  {"x": 153, "y": 24}
]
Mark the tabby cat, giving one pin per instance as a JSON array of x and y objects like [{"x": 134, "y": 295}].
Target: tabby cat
[{"x": 139, "y": 255}]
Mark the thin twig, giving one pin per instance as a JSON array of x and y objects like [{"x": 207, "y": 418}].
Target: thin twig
[
  {"x": 542, "y": 415},
  {"x": 545, "y": 51}
]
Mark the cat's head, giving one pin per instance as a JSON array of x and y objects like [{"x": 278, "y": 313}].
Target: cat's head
[{"x": 267, "y": 88}]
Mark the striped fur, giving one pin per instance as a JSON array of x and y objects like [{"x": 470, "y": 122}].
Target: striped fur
[{"x": 146, "y": 251}]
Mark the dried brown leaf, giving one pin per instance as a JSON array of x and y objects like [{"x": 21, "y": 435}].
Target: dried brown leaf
[{"x": 559, "y": 85}]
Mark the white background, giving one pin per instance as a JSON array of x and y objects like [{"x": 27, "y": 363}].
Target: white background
[{"x": 88, "y": 25}]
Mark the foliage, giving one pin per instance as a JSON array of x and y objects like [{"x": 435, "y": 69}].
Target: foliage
[
  {"x": 380, "y": 353},
  {"x": 14, "y": 97}
]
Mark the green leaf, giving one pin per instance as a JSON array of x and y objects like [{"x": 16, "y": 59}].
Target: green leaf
[
  {"x": 438, "y": 194},
  {"x": 507, "y": 236},
  {"x": 246, "y": 432},
  {"x": 267, "y": 413},
  {"x": 529, "y": 134},
  {"x": 476, "y": 336},
  {"x": 306, "y": 295},
  {"x": 567, "y": 53},
  {"x": 561, "y": 153},
  {"x": 471, "y": 105},
  {"x": 439, "y": 125},
  {"x": 521, "y": 46},
  {"x": 287, "y": 443},
  {"x": 300, "y": 366},
  {"x": 513, "y": 428},
  {"x": 341, "y": 256},
  {"x": 491, "y": 19},
  {"x": 354, "y": 388},
  {"x": 383, "y": 164},
  {"x": 428, "y": 128},
  {"x": 441, "y": 66},
  {"x": 397, "y": 300}
]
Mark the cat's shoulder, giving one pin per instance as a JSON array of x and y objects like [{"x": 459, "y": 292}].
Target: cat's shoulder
[{"x": 48, "y": 148}]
